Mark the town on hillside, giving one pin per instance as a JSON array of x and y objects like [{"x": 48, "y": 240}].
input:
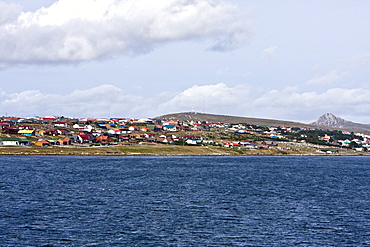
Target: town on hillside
[{"x": 87, "y": 132}]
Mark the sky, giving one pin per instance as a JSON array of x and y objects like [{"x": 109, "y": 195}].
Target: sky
[{"x": 287, "y": 60}]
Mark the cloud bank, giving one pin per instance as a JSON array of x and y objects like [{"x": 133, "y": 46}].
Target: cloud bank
[
  {"x": 241, "y": 100},
  {"x": 71, "y": 31}
]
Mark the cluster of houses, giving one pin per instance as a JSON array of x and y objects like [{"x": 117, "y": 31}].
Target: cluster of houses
[
  {"x": 361, "y": 141},
  {"x": 49, "y": 131}
]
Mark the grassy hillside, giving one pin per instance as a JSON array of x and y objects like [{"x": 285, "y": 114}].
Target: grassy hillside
[{"x": 232, "y": 119}]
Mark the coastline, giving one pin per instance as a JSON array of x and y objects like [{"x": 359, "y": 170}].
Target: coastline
[{"x": 165, "y": 150}]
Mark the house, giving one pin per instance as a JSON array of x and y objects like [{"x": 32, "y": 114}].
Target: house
[
  {"x": 144, "y": 121},
  {"x": 24, "y": 127},
  {"x": 149, "y": 137},
  {"x": 325, "y": 138},
  {"x": 171, "y": 122},
  {"x": 164, "y": 139},
  {"x": 75, "y": 138},
  {"x": 110, "y": 126},
  {"x": 86, "y": 138},
  {"x": 53, "y": 142},
  {"x": 40, "y": 132},
  {"x": 224, "y": 143},
  {"x": 191, "y": 142},
  {"x": 26, "y": 132},
  {"x": 269, "y": 143},
  {"x": 24, "y": 141},
  {"x": 63, "y": 132},
  {"x": 7, "y": 123},
  {"x": 49, "y": 118},
  {"x": 243, "y": 131},
  {"x": 207, "y": 142},
  {"x": 236, "y": 144},
  {"x": 51, "y": 132},
  {"x": 78, "y": 126},
  {"x": 114, "y": 131},
  {"x": 170, "y": 127},
  {"x": 42, "y": 143},
  {"x": 133, "y": 128},
  {"x": 124, "y": 120},
  {"x": 104, "y": 139},
  {"x": 65, "y": 141},
  {"x": 61, "y": 124},
  {"x": 9, "y": 141},
  {"x": 10, "y": 130},
  {"x": 251, "y": 146}
]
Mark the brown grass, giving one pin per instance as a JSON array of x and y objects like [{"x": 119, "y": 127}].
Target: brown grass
[{"x": 156, "y": 150}]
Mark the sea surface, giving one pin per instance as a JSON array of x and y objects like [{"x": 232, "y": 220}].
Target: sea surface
[{"x": 184, "y": 201}]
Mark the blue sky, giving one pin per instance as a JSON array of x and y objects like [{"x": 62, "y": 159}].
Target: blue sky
[{"x": 289, "y": 60}]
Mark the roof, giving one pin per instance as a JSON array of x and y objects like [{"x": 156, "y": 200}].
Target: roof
[
  {"x": 25, "y": 131},
  {"x": 9, "y": 139},
  {"x": 43, "y": 141}
]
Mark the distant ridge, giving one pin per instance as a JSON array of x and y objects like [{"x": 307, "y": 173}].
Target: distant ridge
[
  {"x": 232, "y": 119},
  {"x": 330, "y": 120},
  {"x": 326, "y": 121}
]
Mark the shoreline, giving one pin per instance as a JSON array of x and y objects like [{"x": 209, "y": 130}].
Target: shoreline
[{"x": 165, "y": 150}]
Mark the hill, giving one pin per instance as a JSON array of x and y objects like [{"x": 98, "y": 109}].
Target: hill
[
  {"x": 327, "y": 121},
  {"x": 330, "y": 120},
  {"x": 232, "y": 119}
]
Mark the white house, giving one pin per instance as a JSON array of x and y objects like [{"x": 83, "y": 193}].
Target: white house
[
  {"x": 170, "y": 127},
  {"x": 9, "y": 141},
  {"x": 115, "y": 131},
  {"x": 191, "y": 142}
]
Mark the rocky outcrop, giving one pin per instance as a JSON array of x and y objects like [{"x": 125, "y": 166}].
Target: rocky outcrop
[{"x": 332, "y": 121}]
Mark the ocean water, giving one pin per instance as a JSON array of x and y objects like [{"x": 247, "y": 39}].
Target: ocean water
[{"x": 184, "y": 201}]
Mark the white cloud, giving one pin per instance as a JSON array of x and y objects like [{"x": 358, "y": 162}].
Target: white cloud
[
  {"x": 76, "y": 31},
  {"x": 215, "y": 98},
  {"x": 270, "y": 53},
  {"x": 105, "y": 100},
  {"x": 291, "y": 104},
  {"x": 328, "y": 79},
  {"x": 9, "y": 12},
  {"x": 355, "y": 61},
  {"x": 241, "y": 100}
]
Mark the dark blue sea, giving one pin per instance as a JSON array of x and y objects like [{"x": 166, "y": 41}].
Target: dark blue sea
[{"x": 184, "y": 201}]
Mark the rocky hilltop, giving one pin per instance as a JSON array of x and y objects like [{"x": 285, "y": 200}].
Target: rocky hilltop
[{"x": 330, "y": 120}]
